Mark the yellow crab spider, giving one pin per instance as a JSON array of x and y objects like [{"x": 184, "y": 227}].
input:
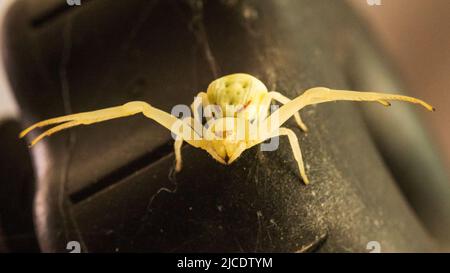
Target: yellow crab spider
[{"x": 241, "y": 91}]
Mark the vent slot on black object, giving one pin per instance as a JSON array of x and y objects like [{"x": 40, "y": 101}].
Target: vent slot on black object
[{"x": 123, "y": 172}]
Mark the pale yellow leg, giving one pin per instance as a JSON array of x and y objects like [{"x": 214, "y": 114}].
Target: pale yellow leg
[
  {"x": 282, "y": 99},
  {"x": 196, "y": 122},
  {"x": 178, "y": 143},
  {"x": 321, "y": 94},
  {"x": 54, "y": 130},
  {"x": 178, "y": 160},
  {"x": 205, "y": 102},
  {"x": 204, "y": 98},
  {"x": 128, "y": 109},
  {"x": 99, "y": 115},
  {"x": 293, "y": 140}
]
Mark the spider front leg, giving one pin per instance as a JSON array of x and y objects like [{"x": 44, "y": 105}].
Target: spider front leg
[
  {"x": 322, "y": 94},
  {"x": 84, "y": 118},
  {"x": 128, "y": 109}
]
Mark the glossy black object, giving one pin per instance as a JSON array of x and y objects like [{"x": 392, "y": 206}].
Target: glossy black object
[{"x": 111, "y": 186}]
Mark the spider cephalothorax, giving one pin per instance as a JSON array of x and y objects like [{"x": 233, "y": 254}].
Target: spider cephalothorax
[{"x": 237, "y": 114}]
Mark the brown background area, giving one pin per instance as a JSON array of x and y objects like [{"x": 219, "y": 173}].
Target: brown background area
[{"x": 416, "y": 35}]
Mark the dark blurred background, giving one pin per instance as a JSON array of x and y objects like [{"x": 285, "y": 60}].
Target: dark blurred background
[{"x": 416, "y": 35}]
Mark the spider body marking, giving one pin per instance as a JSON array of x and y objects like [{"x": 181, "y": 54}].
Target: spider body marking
[{"x": 236, "y": 99}]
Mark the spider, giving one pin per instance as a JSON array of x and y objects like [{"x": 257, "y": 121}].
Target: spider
[{"x": 235, "y": 98}]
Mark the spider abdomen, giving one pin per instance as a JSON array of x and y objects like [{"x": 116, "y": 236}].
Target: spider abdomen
[{"x": 237, "y": 95}]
